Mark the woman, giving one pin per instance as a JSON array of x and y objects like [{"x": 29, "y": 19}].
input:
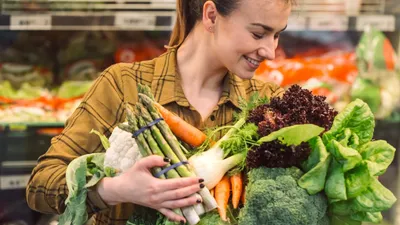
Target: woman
[{"x": 211, "y": 41}]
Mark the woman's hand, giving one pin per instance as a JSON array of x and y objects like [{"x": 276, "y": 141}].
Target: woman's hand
[{"x": 137, "y": 185}]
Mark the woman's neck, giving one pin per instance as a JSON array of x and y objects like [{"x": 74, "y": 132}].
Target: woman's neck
[{"x": 199, "y": 69}]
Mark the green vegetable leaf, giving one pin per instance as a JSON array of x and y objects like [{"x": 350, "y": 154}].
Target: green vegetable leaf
[
  {"x": 378, "y": 155},
  {"x": 373, "y": 217},
  {"x": 247, "y": 105},
  {"x": 103, "y": 139},
  {"x": 211, "y": 218},
  {"x": 343, "y": 220},
  {"x": 349, "y": 139},
  {"x": 76, "y": 176},
  {"x": 71, "y": 89},
  {"x": 357, "y": 117},
  {"x": 376, "y": 198},
  {"x": 346, "y": 156},
  {"x": 335, "y": 187},
  {"x": 357, "y": 180},
  {"x": 341, "y": 208},
  {"x": 110, "y": 172},
  {"x": 75, "y": 213},
  {"x": 241, "y": 140},
  {"x": 317, "y": 166},
  {"x": 293, "y": 135}
]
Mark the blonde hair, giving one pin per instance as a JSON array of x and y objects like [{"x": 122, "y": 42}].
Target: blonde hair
[{"x": 190, "y": 11}]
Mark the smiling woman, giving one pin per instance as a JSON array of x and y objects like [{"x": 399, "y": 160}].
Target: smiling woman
[{"x": 214, "y": 49}]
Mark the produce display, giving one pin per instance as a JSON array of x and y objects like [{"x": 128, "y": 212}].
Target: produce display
[
  {"x": 37, "y": 104},
  {"x": 369, "y": 71},
  {"x": 286, "y": 160},
  {"x": 43, "y": 77}
]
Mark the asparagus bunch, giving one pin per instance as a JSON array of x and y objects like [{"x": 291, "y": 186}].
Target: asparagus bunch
[{"x": 159, "y": 140}]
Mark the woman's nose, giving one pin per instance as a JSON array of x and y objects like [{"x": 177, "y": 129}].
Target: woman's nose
[{"x": 267, "y": 49}]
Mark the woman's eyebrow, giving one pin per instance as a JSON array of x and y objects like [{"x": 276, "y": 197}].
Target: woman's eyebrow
[{"x": 267, "y": 28}]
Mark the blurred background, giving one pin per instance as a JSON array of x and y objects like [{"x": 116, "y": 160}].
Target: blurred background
[{"x": 52, "y": 50}]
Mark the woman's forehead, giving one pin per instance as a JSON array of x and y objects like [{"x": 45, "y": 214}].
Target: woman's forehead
[{"x": 271, "y": 12}]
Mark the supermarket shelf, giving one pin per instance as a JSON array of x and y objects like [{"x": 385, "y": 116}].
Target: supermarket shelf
[
  {"x": 321, "y": 22},
  {"x": 159, "y": 20},
  {"x": 24, "y": 126},
  {"x": 89, "y": 21},
  {"x": 51, "y": 6},
  {"x": 344, "y": 7}
]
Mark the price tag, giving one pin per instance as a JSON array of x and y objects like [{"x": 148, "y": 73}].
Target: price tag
[
  {"x": 135, "y": 21},
  {"x": 329, "y": 23},
  {"x": 297, "y": 23},
  {"x": 18, "y": 127},
  {"x": 380, "y": 22},
  {"x": 30, "y": 22}
]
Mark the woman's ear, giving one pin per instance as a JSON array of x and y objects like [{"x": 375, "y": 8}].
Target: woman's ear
[{"x": 209, "y": 15}]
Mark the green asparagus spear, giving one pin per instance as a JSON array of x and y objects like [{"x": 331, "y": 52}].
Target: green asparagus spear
[{"x": 162, "y": 125}]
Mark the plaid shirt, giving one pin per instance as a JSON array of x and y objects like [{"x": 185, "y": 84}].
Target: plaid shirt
[{"x": 103, "y": 108}]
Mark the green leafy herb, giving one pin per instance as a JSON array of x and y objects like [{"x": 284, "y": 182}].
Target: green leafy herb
[{"x": 241, "y": 140}]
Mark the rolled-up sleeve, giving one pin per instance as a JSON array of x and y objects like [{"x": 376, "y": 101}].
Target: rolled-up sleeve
[{"x": 102, "y": 108}]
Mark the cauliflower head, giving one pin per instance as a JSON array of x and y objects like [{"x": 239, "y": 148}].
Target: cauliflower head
[
  {"x": 123, "y": 151},
  {"x": 274, "y": 198}
]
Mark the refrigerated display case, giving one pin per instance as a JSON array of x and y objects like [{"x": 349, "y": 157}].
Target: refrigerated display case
[{"x": 52, "y": 50}]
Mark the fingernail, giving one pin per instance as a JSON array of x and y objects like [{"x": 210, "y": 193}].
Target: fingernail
[
  {"x": 198, "y": 201},
  {"x": 201, "y": 180},
  {"x": 201, "y": 185},
  {"x": 167, "y": 160}
]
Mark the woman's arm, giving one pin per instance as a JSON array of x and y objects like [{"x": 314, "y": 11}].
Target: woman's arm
[{"x": 101, "y": 109}]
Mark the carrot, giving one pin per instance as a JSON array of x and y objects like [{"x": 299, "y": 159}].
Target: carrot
[
  {"x": 182, "y": 129},
  {"x": 237, "y": 186},
  {"x": 243, "y": 197},
  {"x": 222, "y": 193}
]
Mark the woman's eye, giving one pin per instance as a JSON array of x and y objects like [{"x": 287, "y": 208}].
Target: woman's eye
[
  {"x": 276, "y": 36},
  {"x": 257, "y": 36}
]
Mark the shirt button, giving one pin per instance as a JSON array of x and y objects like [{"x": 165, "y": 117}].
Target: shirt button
[{"x": 212, "y": 117}]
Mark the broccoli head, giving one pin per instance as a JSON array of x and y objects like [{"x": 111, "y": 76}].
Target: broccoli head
[{"x": 274, "y": 198}]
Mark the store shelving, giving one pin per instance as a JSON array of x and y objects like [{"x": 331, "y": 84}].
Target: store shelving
[
  {"x": 312, "y": 15},
  {"x": 87, "y": 15}
]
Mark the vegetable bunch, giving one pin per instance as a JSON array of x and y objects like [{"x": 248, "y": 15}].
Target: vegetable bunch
[
  {"x": 156, "y": 138},
  {"x": 334, "y": 151},
  {"x": 297, "y": 106},
  {"x": 345, "y": 163}
]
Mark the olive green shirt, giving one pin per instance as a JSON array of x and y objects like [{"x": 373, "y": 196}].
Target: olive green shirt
[{"x": 103, "y": 108}]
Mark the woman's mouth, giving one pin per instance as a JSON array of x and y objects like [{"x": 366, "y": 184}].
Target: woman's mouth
[{"x": 254, "y": 64}]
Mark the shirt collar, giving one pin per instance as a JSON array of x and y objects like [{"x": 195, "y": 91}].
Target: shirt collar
[{"x": 166, "y": 84}]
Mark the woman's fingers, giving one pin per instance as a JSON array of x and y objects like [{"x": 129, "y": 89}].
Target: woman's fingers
[
  {"x": 177, "y": 183},
  {"x": 180, "y": 193},
  {"x": 149, "y": 162},
  {"x": 183, "y": 202},
  {"x": 171, "y": 215}
]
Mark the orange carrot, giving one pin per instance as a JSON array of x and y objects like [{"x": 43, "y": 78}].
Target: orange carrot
[
  {"x": 237, "y": 186},
  {"x": 183, "y": 130},
  {"x": 243, "y": 197},
  {"x": 222, "y": 193}
]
